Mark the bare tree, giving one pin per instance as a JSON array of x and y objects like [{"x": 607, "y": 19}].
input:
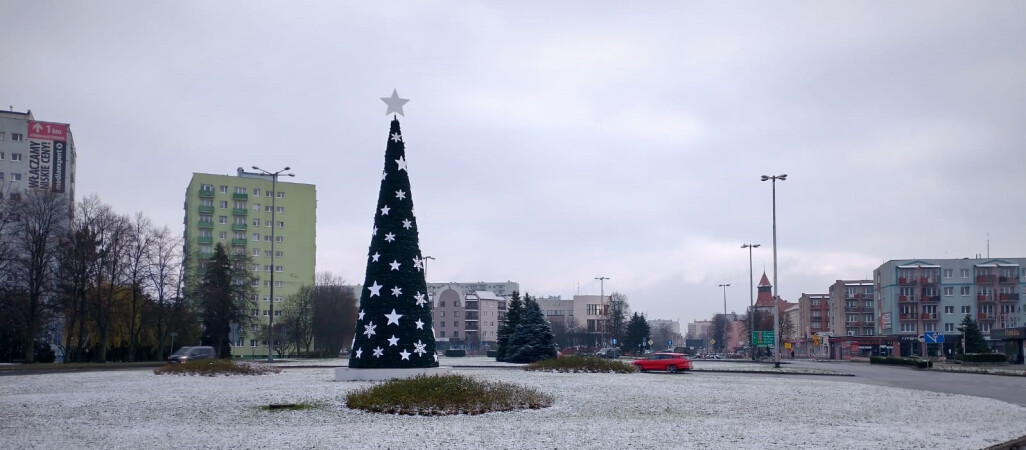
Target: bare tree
[
  {"x": 40, "y": 218},
  {"x": 139, "y": 246},
  {"x": 334, "y": 316},
  {"x": 113, "y": 240},
  {"x": 298, "y": 317},
  {"x": 619, "y": 314},
  {"x": 78, "y": 265},
  {"x": 662, "y": 334},
  {"x": 164, "y": 269}
]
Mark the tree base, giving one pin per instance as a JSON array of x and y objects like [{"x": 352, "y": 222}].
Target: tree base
[{"x": 350, "y": 374}]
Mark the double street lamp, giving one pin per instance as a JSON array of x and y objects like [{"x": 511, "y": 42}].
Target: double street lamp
[
  {"x": 602, "y": 301},
  {"x": 723, "y": 322},
  {"x": 751, "y": 297},
  {"x": 776, "y": 288},
  {"x": 270, "y": 309}
]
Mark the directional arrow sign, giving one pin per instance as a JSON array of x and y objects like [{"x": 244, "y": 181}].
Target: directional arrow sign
[{"x": 933, "y": 337}]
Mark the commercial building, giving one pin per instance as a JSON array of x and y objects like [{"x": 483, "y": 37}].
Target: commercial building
[
  {"x": 36, "y": 155},
  {"x": 469, "y": 315},
  {"x": 852, "y": 308},
  {"x": 923, "y": 297},
  {"x": 272, "y": 228}
]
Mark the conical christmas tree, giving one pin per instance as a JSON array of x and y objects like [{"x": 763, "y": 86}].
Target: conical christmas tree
[{"x": 393, "y": 329}]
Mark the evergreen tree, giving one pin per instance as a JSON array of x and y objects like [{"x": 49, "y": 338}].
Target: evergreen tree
[
  {"x": 974, "y": 342},
  {"x": 224, "y": 294},
  {"x": 513, "y": 311},
  {"x": 638, "y": 332},
  {"x": 532, "y": 339},
  {"x": 393, "y": 327}
]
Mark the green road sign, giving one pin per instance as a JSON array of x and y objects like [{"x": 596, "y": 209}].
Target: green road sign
[{"x": 762, "y": 338}]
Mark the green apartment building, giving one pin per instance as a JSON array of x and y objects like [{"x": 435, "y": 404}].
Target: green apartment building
[{"x": 275, "y": 227}]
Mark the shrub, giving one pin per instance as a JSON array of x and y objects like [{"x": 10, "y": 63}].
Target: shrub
[
  {"x": 492, "y": 353},
  {"x": 455, "y": 353},
  {"x": 892, "y": 360},
  {"x": 581, "y": 364},
  {"x": 445, "y": 395},
  {"x": 215, "y": 367},
  {"x": 985, "y": 358}
]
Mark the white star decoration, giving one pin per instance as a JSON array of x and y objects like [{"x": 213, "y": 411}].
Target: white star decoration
[
  {"x": 393, "y": 318},
  {"x": 389, "y": 237},
  {"x": 384, "y": 175},
  {"x": 405, "y": 354},
  {"x": 380, "y": 351},
  {"x": 418, "y": 263},
  {"x": 420, "y": 325},
  {"x": 361, "y": 314},
  {"x": 385, "y": 210},
  {"x": 396, "y": 137},
  {"x": 359, "y": 352},
  {"x": 375, "y": 256},
  {"x": 393, "y": 341},
  {"x": 402, "y": 163},
  {"x": 374, "y": 232},
  {"x": 395, "y": 104},
  {"x": 436, "y": 357},
  {"x": 418, "y": 348},
  {"x": 397, "y": 291},
  {"x": 420, "y": 299},
  {"x": 395, "y": 264},
  {"x": 407, "y": 224},
  {"x": 375, "y": 289},
  {"x": 369, "y": 329},
  {"x": 400, "y": 195}
]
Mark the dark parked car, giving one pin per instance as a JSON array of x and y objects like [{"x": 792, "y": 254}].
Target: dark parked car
[
  {"x": 186, "y": 354},
  {"x": 608, "y": 352}
]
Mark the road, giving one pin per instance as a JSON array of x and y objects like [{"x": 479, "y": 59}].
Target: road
[{"x": 1004, "y": 388}]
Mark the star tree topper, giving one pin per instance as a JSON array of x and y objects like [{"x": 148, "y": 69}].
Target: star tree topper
[{"x": 395, "y": 104}]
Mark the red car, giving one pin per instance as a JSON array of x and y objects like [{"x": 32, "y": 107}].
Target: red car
[{"x": 670, "y": 362}]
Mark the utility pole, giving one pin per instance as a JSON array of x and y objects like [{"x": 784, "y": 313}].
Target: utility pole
[{"x": 602, "y": 302}]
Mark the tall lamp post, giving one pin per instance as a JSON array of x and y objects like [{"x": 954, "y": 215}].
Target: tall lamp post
[
  {"x": 751, "y": 297},
  {"x": 723, "y": 339},
  {"x": 602, "y": 299},
  {"x": 424, "y": 259},
  {"x": 270, "y": 309},
  {"x": 776, "y": 289}
]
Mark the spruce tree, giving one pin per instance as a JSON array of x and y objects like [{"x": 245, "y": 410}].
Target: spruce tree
[
  {"x": 532, "y": 339},
  {"x": 513, "y": 311},
  {"x": 224, "y": 293},
  {"x": 393, "y": 327},
  {"x": 974, "y": 342},
  {"x": 638, "y": 331}
]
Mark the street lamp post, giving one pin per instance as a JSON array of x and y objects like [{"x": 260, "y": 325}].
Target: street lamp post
[
  {"x": 776, "y": 289},
  {"x": 723, "y": 338},
  {"x": 602, "y": 299},
  {"x": 424, "y": 259},
  {"x": 751, "y": 297},
  {"x": 270, "y": 308}
]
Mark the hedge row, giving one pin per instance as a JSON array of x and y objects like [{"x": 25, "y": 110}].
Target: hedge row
[
  {"x": 985, "y": 357},
  {"x": 892, "y": 360}
]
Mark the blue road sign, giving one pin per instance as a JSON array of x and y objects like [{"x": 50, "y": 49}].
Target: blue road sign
[
  {"x": 669, "y": 343},
  {"x": 933, "y": 337}
]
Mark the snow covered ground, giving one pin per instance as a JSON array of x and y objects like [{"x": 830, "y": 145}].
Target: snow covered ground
[{"x": 137, "y": 409}]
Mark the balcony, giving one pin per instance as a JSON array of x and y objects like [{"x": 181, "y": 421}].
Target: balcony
[
  {"x": 238, "y": 196},
  {"x": 986, "y": 279},
  {"x": 984, "y": 298},
  {"x": 208, "y": 209},
  {"x": 906, "y": 281},
  {"x": 1012, "y": 280},
  {"x": 1009, "y": 297},
  {"x": 206, "y": 194},
  {"x": 206, "y": 225},
  {"x": 930, "y": 316},
  {"x": 470, "y": 305},
  {"x": 238, "y": 242},
  {"x": 205, "y": 239},
  {"x": 985, "y": 316},
  {"x": 927, "y": 280},
  {"x": 470, "y": 315},
  {"x": 239, "y": 226},
  {"x": 470, "y": 326},
  {"x": 239, "y": 256},
  {"x": 931, "y": 298},
  {"x": 852, "y": 309},
  {"x": 907, "y": 298},
  {"x": 240, "y": 211},
  {"x": 909, "y": 316}
]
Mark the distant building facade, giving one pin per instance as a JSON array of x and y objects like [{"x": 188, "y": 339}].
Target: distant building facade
[
  {"x": 36, "y": 155},
  {"x": 469, "y": 315}
]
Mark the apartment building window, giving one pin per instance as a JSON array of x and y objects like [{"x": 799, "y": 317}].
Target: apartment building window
[
  {"x": 908, "y": 327},
  {"x": 948, "y": 326},
  {"x": 15, "y": 176},
  {"x": 277, "y": 284},
  {"x": 868, "y": 290},
  {"x": 278, "y": 269},
  {"x": 949, "y": 309},
  {"x": 441, "y": 303},
  {"x": 441, "y": 333},
  {"x": 815, "y": 302},
  {"x": 441, "y": 313},
  {"x": 206, "y": 187},
  {"x": 267, "y": 223},
  {"x": 269, "y": 194},
  {"x": 240, "y": 190},
  {"x": 815, "y": 314},
  {"x": 868, "y": 304},
  {"x": 949, "y": 291},
  {"x": 206, "y": 233},
  {"x": 277, "y": 299},
  {"x": 267, "y": 209},
  {"x": 908, "y": 291},
  {"x": 267, "y": 253},
  {"x": 222, "y": 204},
  {"x": 255, "y": 267},
  {"x": 267, "y": 237},
  {"x": 222, "y": 220},
  {"x": 280, "y": 209},
  {"x": 867, "y": 331},
  {"x": 853, "y": 318},
  {"x": 868, "y": 318},
  {"x": 206, "y": 202},
  {"x": 281, "y": 224},
  {"x": 224, "y": 189},
  {"x": 985, "y": 327},
  {"x": 17, "y": 137},
  {"x": 240, "y": 220},
  {"x": 964, "y": 290},
  {"x": 239, "y": 342},
  {"x": 593, "y": 310},
  {"x": 964, "y": 273},
  {"x": 252, "y": 342},
  {"x": 206, "y": 249},
  {"x": 222, "y": 235},
  {"x": 256, "y": 236},
  {"x": 816, "y": 324},
  {"x": 3, "y": 137},
  {"x": 279, "y": 239},
  {"x": 265, "y": 312},
  {"x": 256, "y": 207},
  {"x": 255, "y": 283},
  {"x": 281, "y": 194},
  {"x": 949, "y": 273},
  {"x": 279, "y": 253},
  {"x": 441, "y": 324},
  {"x": 267, "y": 268},
  {"x": 256, "y": 222},
  {"x": 277, "y": 313},
  {"x": 967, "y": 310},
  {"x": 239, "y": 205},
  {"x": 253, "y": 312},
  {"x": 256, "y": 191},
  {"x": 256, "y": 252}
]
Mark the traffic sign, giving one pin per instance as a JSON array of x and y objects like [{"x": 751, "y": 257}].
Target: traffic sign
[
  {"x": 650, "y": 342},
  {"x": 669, "y": 343},
  {"x": 614, "y": 341},
  {"x": 762, "y": 338},
  {"x": 933, "y": 337}
]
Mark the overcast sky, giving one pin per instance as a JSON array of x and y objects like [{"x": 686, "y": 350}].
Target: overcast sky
[{"x": 552, "y": 144}]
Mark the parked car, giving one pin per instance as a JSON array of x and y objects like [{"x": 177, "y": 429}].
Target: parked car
[
  {"x": 670, "y": 362},
  {"x": 186, "y": 354},
  {"x": 608, "y": 352}
]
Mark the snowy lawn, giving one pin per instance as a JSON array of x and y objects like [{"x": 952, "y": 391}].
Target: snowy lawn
[{"x": 137, "y": 409}]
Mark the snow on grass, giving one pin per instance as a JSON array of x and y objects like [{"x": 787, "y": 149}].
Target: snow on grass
[{"x": 137, "y": 409}]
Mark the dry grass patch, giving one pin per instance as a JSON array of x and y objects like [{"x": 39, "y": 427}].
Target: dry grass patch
[
  {"x": 581, "y": 364},
  {"x": 445, "y": 395},
  {"x": 215, "y": 367}
]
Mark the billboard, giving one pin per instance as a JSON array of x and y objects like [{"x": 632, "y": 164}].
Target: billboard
[{"x": 47, "y": 156}]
